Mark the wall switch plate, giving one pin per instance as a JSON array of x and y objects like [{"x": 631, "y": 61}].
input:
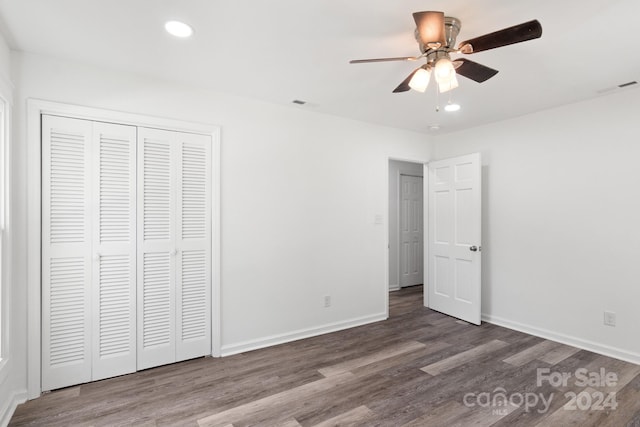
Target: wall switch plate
[
  {"x": 609, "y": 318},
  {"x": 327, "y": 301}
]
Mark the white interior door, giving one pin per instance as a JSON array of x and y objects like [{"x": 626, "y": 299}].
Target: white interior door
[
  {"x": 174, "y": 246},
  {"x": 455, "y": 237},
  {"x": 88, "y": 246},
  {"x": 66, "y": 252},
  {"x": 114, "y": 250},
  {"x": 193, "y": 247},
  {"x": 156, "y": 247},
  {"x": 411, "y": 231}
]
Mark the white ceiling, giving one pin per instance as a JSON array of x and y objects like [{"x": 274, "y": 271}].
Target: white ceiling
[{"x": 281, "y": 50}]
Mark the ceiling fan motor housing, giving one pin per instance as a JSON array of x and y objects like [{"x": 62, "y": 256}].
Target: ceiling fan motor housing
[{"x": 435, "y": 55}]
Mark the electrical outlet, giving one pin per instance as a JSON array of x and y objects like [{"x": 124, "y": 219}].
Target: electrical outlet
[
  {"x": 327, "y": 301},
  {"x": 609, "y": 318}
]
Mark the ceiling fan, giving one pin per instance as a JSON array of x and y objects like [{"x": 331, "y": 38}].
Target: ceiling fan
[{"x": 436, "y": 35}]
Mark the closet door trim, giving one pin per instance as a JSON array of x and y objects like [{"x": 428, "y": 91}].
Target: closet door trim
[{"x": 35, "y": 109}]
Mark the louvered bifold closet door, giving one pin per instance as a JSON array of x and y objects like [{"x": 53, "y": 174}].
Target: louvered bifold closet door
[
  {"x": 174, "y": 246},
  {"x": 193, "y": 260},
  {"x": 157, "y": 173},
  {"x": 114, "y": 249},
  {"x": 66, "y": 252}
]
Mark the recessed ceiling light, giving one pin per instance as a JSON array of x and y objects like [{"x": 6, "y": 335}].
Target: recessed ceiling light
[
  {"x": 452, "y": 107},
  {"x": 178, "y": 29}
]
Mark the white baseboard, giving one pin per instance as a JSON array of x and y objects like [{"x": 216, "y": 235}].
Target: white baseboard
[
  {"x": 9, "y": 407},
  {"x": 230, "y": 349},
  {"x": 595, "y": 347}
]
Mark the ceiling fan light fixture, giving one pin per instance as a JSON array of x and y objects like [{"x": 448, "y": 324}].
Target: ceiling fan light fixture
[
  {"x": 444, "y": 70},
  {"x": 430, "y": 26},
  {"x": 420, "y": 80},
  {"x": 448, "y": 85}
]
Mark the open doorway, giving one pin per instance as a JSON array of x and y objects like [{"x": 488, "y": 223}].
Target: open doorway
[
  {"x": 451, "y": 271},
  {"x": 406, "y": 227}
]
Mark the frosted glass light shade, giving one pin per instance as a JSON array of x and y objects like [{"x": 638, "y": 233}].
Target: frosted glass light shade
[
  {"x": 444, "y": 70},
  {"x": 448, "y": 85},
  {"x": 420, "y": 80}
]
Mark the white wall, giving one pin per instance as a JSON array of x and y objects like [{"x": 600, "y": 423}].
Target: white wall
[
  {"x": 5, "y": 60},
  {"x": 561, "y": 221},
  {"x": 396, "y": 168},
  {"x": 12, "y": 362},
  {"x": 299, "y": 194}
]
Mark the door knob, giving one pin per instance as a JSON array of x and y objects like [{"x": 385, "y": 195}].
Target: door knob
[{"x": 473, "y": 248}]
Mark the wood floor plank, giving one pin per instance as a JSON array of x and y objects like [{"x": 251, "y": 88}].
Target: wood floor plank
[
  {"x": 387, "y": 353},
  {"x": 547, "y": 351},
  {"x": 353, "y": 417},
  {"x": 272, "y": 402},
  {"x": 530, "y": 353},
  {"x": 442, "y": 415},
  {"x": 342, "y": 399},
  {"x": 462, "y": 358},
  {"x": 289, "y": 423},
  {"x": 400, "y": 360},
  {"x": 481, "y": 416},
  {"x": 558, "y": 354}
]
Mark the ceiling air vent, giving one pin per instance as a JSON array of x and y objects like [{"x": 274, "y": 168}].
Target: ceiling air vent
[
  {"x": 620, "y": 86},
  {"x": 299, "y": 102}
]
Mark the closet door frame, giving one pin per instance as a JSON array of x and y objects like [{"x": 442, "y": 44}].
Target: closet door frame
[{"x": 35, "y": 109}]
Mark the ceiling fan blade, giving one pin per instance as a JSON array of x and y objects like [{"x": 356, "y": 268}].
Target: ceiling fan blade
[
  {"x": 430, "y": 26},
  {"x": 516, "y": 34},
  {"x": 398, "y": 58},
  {"x": 404, "y": 86},
  {"x": 474, "y": 71}
]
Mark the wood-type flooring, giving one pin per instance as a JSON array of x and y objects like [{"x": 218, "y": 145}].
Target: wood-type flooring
[{"x": 418, "y": 368}]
